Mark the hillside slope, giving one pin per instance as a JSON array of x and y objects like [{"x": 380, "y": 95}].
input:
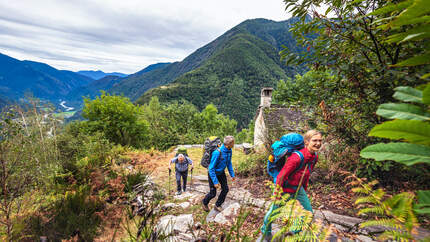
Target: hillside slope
[
  {"x": 43, "y": 81},
  {"x": 232, "y": 73},
  {"x": 93, "y": 89},
  {"x": 231, "y": 78}
]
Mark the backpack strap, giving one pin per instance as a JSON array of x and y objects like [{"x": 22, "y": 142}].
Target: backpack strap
[
  {"x": 313, "y": 162},
  {"x": 302, "y": 163},
  {"x": 220, "y": 153}
]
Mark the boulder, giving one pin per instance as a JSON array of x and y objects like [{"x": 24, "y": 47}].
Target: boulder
[
  {"x": 170, "y": 224},
  {"x": 168, "y": 206},
  {"x": 201, "y": 178},
  {"x": 166, "y": 224},
  {"x": 183, "y": 223},
  {"x": 184, "y": 205},
  {"x": 228, "y": 214},
  {"x": 211, "y": 216}
]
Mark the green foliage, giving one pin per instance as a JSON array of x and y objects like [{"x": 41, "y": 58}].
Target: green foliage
[
  {"x": 412, "y": 15},
  {"x": 413, "y": 131},
  {"x": 253, "y": 164},
  {"x": 423, "y": 206},
  {"x": 408, "y": 94},
  {"x": 28, "y": 158},
  {"x": 350, "y": 45},
  {"x": 371, "y": 168},
  {"x": 416, "y": 132},
  {"x": 246, "y": 135},
  {"x": 408, "y": 154},
  {"x": 308, "y": 89},
  {"x": 294, "y": 217},
  {"x": 393, "y": 212},
  {"x": 402, "y": 111},
  {"x": 81, "y": 153},
  {"x": 176, "y": 123},
  {"x": 409, "y": 22},
  {"x": 117, "y": 118},
  {"x": 74, "y": 214},
  {"x": 133, "y": 179}
]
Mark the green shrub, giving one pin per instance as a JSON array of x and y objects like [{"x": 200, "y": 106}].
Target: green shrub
[
  {"x": 133, "y": 179},
  {"x": 75, "y": 214},
  {"x": 252, "y": 165},
  {"x": 80, "y": 153},
  {"x": 117, "y": 118}
]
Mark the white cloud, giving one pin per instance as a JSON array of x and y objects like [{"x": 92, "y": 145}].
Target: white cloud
[{"x": 120, "y": 35}]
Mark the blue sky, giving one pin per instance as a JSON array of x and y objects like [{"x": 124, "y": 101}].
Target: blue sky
[{"x": 120, "y": 35}]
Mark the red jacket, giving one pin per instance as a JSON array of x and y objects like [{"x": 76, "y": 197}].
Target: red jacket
[{"x": 285, "y": 176}]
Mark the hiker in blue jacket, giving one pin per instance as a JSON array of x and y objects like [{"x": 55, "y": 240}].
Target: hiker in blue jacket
[{"x": 221, "y": 158}]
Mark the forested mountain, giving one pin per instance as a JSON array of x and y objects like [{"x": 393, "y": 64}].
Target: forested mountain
[
  {"x": 96, "y": 75},
  {"x": 228, "y": 72},
  {"x": 43, "y": 81},
  {"x": 3, "y": 102},
  {"x": 92, "y": 89}
]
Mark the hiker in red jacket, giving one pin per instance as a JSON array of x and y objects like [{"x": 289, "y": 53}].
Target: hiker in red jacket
[{"x": 295, "y": 172}]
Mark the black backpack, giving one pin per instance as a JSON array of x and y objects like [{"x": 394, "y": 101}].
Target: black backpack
[{"x": 210, "y": 145}]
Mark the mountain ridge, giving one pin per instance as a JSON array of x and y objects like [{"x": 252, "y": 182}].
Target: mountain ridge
[
  {"x": 96, "y": 75},
  {"x": 241, "y": 61},
  {"x": 20, "y": 77}
]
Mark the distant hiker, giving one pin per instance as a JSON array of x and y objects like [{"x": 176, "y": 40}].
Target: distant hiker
[
  {"x": 181, "y": 170},
  {"x": 299, "y": 164},
  {"x": 220, "y": 159}
]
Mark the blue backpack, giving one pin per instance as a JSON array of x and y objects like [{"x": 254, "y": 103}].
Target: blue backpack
[{"x": 281, "y": 149}]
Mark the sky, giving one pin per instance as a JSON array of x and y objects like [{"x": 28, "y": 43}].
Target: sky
[{"x": 120, "y": 35}]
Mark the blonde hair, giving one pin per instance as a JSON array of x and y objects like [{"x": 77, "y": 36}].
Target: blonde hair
[{"x": 308, "y": 135}]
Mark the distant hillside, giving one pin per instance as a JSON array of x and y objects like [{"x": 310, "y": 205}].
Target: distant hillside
[
  {"x": 43, "y": 81},
  {"x": 230, "y": 71},
  {"x": 231, "y": 78},
  {"x": 100, "y": 74},
  {"x": 3, "y": 102},
  {"x": 91, "y": 90}
]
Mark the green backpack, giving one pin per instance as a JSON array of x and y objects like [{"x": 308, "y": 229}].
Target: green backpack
[{"x": 181, "y": 150}]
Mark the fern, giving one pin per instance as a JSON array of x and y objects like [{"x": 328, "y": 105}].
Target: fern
[
  {"x": 378, "y": 210},
  {"x": 390, "y": 223},
  {"x": 294, "y": 217},
  {"x": 394, "y": 212}
]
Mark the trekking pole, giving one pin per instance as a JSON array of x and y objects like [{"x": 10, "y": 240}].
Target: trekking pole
[
  {"x": 191, "y": 179},
  {"x": 170, "y": 171}
]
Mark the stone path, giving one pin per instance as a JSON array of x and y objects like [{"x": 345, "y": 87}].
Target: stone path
[{"x": 184, "y": 228}]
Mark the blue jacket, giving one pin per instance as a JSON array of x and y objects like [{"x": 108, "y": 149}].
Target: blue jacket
[{"x": 217, "y": 166}]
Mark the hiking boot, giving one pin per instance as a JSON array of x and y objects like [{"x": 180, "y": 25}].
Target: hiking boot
[
  {"x": 219, "y": 209},
  {"x": 178, "y": 193},
  {"x": 205, "y": 207}
]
